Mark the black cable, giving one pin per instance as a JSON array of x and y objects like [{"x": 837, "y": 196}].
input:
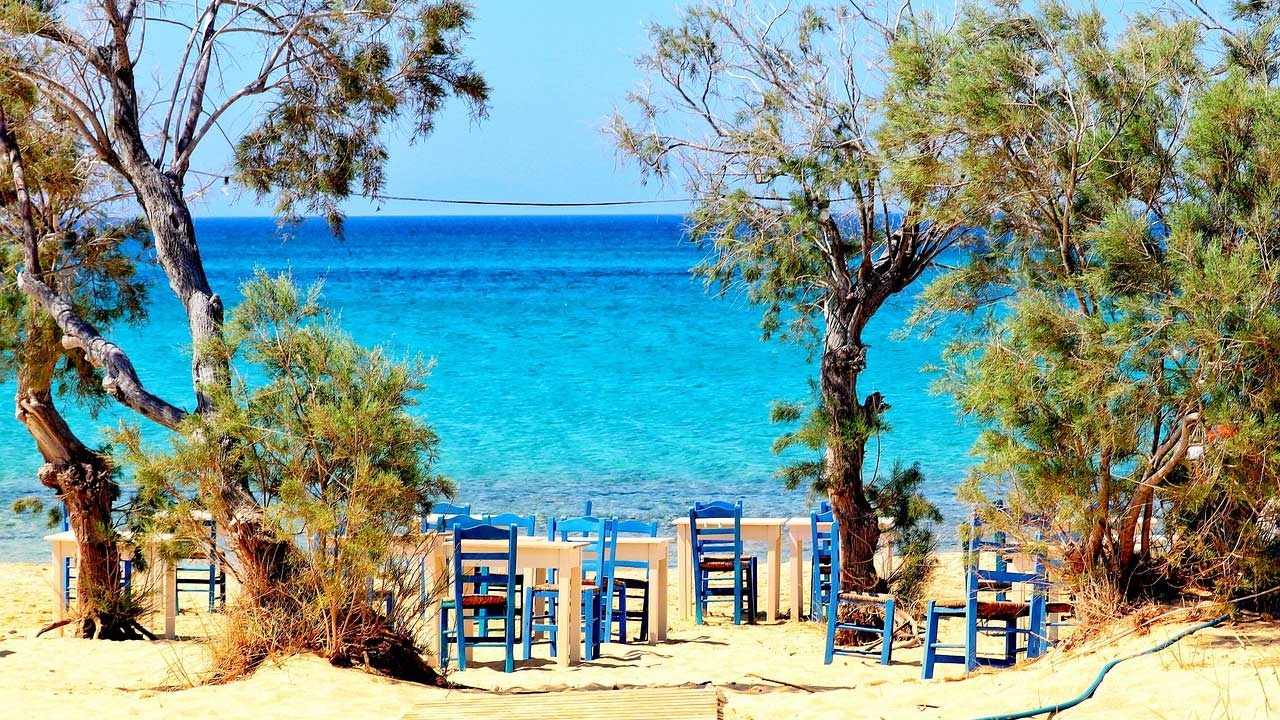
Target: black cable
[{"x": 515, "y": 203}]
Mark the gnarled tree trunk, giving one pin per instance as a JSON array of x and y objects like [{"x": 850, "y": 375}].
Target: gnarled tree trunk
[
  {"x": 843, "y": 360},
  {"x": 82, "y": 480}
]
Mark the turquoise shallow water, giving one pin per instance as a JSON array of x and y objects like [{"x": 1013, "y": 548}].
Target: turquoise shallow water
[{"x": 575, "y": 358}]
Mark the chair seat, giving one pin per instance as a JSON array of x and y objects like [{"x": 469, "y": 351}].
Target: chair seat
[
  {"x": 1060, "y": 608},
  {"x": 994, "y": 585},
  {"x": 864, "y": 597},
  {"x": 722, "y": 563},
  {"x": 992, "y": 609},
  {"x": 484, "y": 601},
  {"x": 586, "y": 585}
]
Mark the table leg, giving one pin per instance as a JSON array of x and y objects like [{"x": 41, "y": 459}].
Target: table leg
[
  {"x": 569, "y": 615},
  {"x": 658, "y": 599},
  {"x": 60, "y": 581},
  {"x": 775, "y": 575},
  {"x": 683, "y": 564},
  {"x": 433, "y": 573},
  {"x": 170, "y": 600},
  {"x": 797, "y": 575}
]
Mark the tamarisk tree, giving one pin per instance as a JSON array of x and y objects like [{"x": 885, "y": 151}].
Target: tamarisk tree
[
  {"x": 145, "y": 84},
  {"x": 54, "y": 225},
  {"x": 799, "y": 172},
  {"x": 1082, "y": 368}
]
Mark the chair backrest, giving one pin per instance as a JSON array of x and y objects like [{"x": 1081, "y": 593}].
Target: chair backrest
[
  {"x": 598, "y": 558},
  {"x": 443, "y": 511},
  {"x": 824, "y": 506},
  {"x": 977, "y": 546},
  {"x": 486, "y": 568},
  {"x": 820, "y": 548},
  {"x": 525, "y": 523},
  {"x": 718, "y": 539},
  {"x": 641, "y": 528},
  {"x": 454, "y": 522}
]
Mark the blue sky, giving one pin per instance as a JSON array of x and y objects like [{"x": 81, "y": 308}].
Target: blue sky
[{"x": 557, "y": 69}]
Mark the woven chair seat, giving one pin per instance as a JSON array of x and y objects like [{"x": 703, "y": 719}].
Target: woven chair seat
[
  {"x": 484, "y": 601},
  {"x": 993, "y": 609},
  {"x": 1060, "y": 608},
  {"x": 586, "y": 585},
  {"x": 994, "y": 585},
  {"x": 864, "y": 597},
  {"x": 722, "y": 564}
]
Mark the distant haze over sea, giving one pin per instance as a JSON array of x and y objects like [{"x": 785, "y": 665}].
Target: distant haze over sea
[{"x": 576, "y": 358}]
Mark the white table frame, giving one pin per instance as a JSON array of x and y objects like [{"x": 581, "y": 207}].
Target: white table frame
[
  {"x": 765, "y": 530},
  {"x": 65, "y": 546},
  {"x": 532, "y": 554},
  {"x": 655, "y": 551},
  {"x": 800, "y": 531}
]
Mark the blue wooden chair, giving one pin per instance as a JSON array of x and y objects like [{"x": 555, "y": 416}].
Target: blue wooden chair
[
  {"x": 597, "y": 583},
  {"x": 202, "y": 571},
  {"x": 820, "y": 563},
  {"x": 70, "y": 572},
  {"x": 634, "y": 587},
  {"x": 524, "y": 523},
  {"x": 466, "y": 602},
  {"x": 443, "y": 511},
  {"x": 718, "y": 559},
  {"x": 998, "y": 616},
  {"x": 836, "y": 598}
]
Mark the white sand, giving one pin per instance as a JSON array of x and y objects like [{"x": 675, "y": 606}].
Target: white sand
[{"x": 763, "y": 671}]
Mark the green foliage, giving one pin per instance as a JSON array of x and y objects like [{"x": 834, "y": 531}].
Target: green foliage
[
  {"x": 328, "y": 444},
  {"x": 319, "y": 140},
  {"x": 1126, "y": 311},
  {"x": 90, "y": 258}
]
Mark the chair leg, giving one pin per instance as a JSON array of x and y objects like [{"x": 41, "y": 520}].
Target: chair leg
[
  {"x": 699, "y": 594},
  {"x": 831, "y": 634},
  {"x": 621, "y": 616},
  {"x": 737, "y": 591},
  {"x": 644, "y": 615},
  {"x": 886, "y": 651},
  {"x": 930, "y": 642},
  {"x": 510, "y": 636},
  {"x": 527, "y": 622},
  {"x": 444, "y": 638},
  {"x": 970, "y": 641}
]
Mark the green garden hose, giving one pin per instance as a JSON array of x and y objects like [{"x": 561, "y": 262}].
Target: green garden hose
[{"x": 1098, "y": 680}]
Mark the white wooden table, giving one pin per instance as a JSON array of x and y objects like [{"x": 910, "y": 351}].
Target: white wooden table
[
  {"x": 532, "y": 554},
  {"x": 158, "y": 567},
  {"x": 765, "y": 530},
  {"x": 655, "y": 551},
  {"x": 800, "y": 532}
]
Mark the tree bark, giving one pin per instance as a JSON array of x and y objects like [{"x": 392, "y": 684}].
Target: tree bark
[
  {"x": 81, "y": 478},
  {"x": 843, "y": 360}
]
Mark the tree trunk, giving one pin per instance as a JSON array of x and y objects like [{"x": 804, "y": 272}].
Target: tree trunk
[
  {"x": 83, "y": 481},
  {"x": 843, "y": 360}
]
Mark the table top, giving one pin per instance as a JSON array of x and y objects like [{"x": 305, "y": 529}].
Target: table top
[{"x": 747, "y": 521}]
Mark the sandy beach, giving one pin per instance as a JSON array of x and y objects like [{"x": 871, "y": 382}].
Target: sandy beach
[{"x": 770, "y": 670}]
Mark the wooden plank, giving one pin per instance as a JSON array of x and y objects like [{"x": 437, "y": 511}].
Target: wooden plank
[{"x": 636, "y": 704}]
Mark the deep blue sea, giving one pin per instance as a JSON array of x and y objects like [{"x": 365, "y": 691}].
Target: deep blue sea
[{"x": 576, "y": 357}]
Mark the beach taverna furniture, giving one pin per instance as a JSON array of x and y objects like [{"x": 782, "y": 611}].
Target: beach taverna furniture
[
  {"x": 999, "y": 616},
  {"x": 201, "y": 571},
  {"x": 633, "y": 588},
  {"x": 597, "y": 583},
  {"x": 442, "y": 511},
  {"x": 718, "y": 559},
  {"x": 836, "y": 597},
  {"x": 820, "y": 561},
  {"x": 467, "y": 600}
]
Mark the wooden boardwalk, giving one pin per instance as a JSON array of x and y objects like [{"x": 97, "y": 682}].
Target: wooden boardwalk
[{"x": 637, "y": 704}]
